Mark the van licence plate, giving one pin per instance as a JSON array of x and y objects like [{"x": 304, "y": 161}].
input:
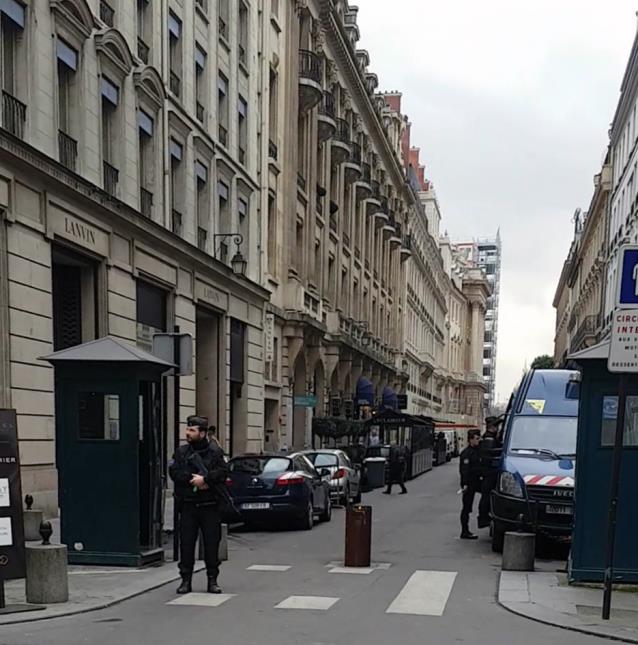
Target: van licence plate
[
  {"x": 256, "y": 506},
  {"x": 554, "y": 509}
]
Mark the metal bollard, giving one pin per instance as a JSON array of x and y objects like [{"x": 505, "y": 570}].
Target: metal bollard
[{"x": 358, "y": 536}]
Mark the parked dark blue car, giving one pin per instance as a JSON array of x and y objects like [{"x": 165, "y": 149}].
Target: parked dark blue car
[{"x": 270, "y": 487}]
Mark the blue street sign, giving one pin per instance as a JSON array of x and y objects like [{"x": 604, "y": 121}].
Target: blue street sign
[{"x": 628, "y": 276}]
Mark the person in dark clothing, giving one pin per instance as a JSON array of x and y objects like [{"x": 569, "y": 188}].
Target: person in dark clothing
[
  {"x": 470, "y": 471},
  {"x": 489, "y": 450},
  {"x": 198, "y": 469},
  {"x": 398, "y": 467}
]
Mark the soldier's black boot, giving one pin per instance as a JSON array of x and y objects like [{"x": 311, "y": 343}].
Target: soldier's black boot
[
  {"x": 186, "y": 586},
  {"x": 466, "y": 535},
  {"x": 213, "y": 587}
]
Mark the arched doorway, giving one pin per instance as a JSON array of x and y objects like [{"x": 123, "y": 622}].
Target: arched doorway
[{"x": 299, "y": 413}]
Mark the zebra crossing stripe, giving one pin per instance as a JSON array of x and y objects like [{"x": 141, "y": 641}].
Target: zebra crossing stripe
[{"x": 425, "y": 594}]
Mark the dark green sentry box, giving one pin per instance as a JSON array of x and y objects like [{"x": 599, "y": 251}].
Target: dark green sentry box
[
  {"x": 109, "y": 448},
  {"x": 596, "y": 428}
]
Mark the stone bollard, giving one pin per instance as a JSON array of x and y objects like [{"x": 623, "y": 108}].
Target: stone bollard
[
  {"x": 518, "y": 551},
  {"x": 32, "y": 521},
  {"x": 47, "y": 580}
]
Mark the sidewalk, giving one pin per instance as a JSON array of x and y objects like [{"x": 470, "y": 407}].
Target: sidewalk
[
  {"x": 93, "y": 587},
  {"x": 546, "y": 598}
]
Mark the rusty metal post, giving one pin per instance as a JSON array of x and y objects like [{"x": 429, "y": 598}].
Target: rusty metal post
[{"x": 358, "y": 536}]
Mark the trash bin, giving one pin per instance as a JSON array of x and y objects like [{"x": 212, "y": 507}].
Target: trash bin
[
  {"x": 358, "y": 536},
  {"x": 375, "y": 471}
]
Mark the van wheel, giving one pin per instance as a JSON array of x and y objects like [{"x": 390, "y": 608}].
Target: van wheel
[{"x": 498, "y": 539}]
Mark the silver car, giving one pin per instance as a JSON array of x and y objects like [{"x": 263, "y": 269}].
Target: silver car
[{"x": 344, "y": 478}]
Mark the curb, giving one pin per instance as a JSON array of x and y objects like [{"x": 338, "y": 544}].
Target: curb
[
  {"x": 37, "y": 617},
  {"x": 572, "y": 628}
]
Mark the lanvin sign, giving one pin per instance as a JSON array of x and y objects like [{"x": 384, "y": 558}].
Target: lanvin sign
[{"x": 63, "y": 224}]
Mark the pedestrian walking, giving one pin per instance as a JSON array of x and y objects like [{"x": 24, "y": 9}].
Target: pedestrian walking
[
  {"x": 397, "y": 470},
  {"x": 490, "y": 450},
  {"x": 470, "y": 471},
  {"x": 198, "y": 470}
]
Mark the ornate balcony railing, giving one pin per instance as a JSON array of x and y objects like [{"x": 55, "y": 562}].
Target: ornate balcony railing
[
  {"x": 587, "y": 329},
  {"x": 327, "y": 105},
  {"x": 343, "y": 131},
  {"x": 68, "y": 149},
  {"x": 310, "y": 66},
  {"x": 355, "y": 153},
  {"x": 111, "y": 177},
  {"x": 14, "y": 114}
]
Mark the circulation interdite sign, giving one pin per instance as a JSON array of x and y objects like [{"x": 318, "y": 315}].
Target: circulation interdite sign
[
  {"x": 623, "y": 350},
  {"x": 11, "y": 527}
]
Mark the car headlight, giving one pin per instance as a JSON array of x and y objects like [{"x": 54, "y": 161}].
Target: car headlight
[{"x": 509, "y": 485}]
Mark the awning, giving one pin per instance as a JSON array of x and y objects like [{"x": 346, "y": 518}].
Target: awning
[
  {"x": 365, "y": 392},
  {"x": 389, "y": 399}
]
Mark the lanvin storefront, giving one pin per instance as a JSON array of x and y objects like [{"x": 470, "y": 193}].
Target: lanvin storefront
[{"x": 75, "y": 265}]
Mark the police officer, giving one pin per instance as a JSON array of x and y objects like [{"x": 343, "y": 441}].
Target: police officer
[
  {"x": 470, "y": 470},
  {"x": 398, "y": 467},
  {"x": 198, "y": 469},
  {"x": 489, "y": 450}
]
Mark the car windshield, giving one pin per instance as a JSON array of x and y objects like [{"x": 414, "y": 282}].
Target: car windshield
[
  {"x": 322, "y": 459},
  {"x": 543, "y": 436},
  {"x": 259, "y": 465}
]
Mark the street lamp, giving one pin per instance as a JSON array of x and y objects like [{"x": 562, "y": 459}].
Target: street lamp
[{"x": 238, "y": 261}]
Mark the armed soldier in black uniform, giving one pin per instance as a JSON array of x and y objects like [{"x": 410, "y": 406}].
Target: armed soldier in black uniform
[
  {"x": 470, "y": 471},
  {"x": 198, "y": 470}
]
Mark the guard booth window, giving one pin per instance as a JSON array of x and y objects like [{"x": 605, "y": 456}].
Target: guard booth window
[
  {"x": 98, "y": 416},
  {"x": 608, "y": 421}
]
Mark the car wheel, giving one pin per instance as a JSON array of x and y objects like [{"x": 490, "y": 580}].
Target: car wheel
[
  {"x": 308, "y": 520},
  {"x": 326, "y": 515},
  {"x": 357, "y": 498},
  {"x": 498, "y": 538}
]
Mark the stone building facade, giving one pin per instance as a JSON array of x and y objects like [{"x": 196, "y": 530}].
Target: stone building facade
[
  {"x": 336, "y": 229},
  {"x": 128, "y": 142}
]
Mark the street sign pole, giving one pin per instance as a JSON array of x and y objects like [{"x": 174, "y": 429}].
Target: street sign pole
[{"x": 613, "y": 495}]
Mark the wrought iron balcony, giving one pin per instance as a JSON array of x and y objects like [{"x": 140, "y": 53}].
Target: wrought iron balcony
[
  {"x": 272, "y": 150},
  {"x": 175, "y": 83},
  {"x": 310, "y": 75},
  {"x": 326, "y": 117},
  {"x": 143, "y": 50},
  {"x": 14, "y": 115},
  {"x": 146, "y": 202},
  {"x": 310, "y": 65},
  {"x": 111, "y": 177},
  {"x": 586, "y": 334},
  {"x": 68, "y": 150},
  {"x": 107, "y": 13},
  {"x": 343, "y": 132}
]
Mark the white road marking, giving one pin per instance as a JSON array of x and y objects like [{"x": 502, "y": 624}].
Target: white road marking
[
  {"x": 202, "y": 599},
  {"x": 425, "y": 594},
  {"x": 359, "y": 570},
  {"x": 307, "y": 602},
  {"x": 268, "y": 567}
]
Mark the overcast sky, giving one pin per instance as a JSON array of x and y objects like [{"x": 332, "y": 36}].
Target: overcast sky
[{"x": 510, "y": 103}]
